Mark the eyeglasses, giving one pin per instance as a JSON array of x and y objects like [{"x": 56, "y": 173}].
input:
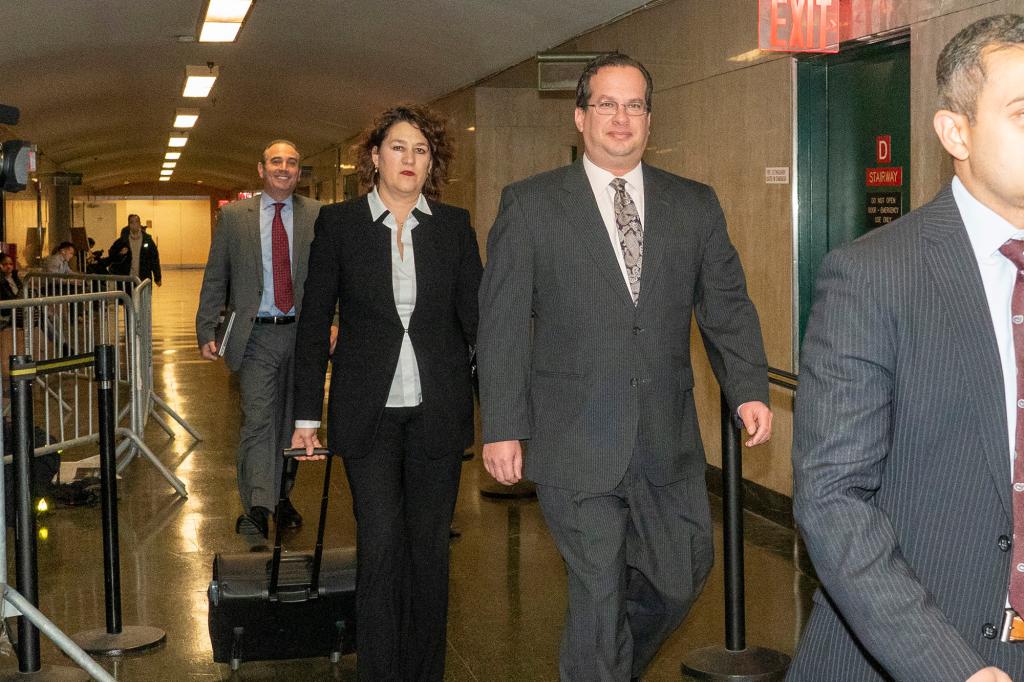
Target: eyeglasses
[{"x": 609, "y": 108}]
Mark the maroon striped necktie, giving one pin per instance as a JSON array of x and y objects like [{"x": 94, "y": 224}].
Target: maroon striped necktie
[
  {"x": 1013, "y": 249},
  {"x": 282, "y": 262}
]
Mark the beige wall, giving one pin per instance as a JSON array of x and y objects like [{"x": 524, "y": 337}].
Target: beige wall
[
  {"x": 180, "y": 226},
  {"x": 722, "y": 113}
]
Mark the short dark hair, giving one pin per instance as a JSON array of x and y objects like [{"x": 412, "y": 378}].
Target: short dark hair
[
  {"x": 134, "y": 215},
  {"x": 610, "y": 59},
  {"x": 62, "y": 246},
  {"x": 427, "y": 121},
  {"x": 960, "y": 70},
  {"x": 263, "y": 154}
]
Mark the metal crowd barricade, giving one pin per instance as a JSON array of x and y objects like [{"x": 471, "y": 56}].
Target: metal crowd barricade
[
  {"x": 68, "y": 326},
  {"x": 29, "y": 612}
]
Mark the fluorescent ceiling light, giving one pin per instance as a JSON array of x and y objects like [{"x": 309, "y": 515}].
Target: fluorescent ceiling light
[
  {"x": 170, "y": 164},
  {"x": 185, "y": 118},
  {"x": 223, "y": 20},
  {"x": 199, "y": 80},
  {"x": 228, "y": 10},
  {"x": 166, "y": 173},
  {"x": 218, "y": 32},
  {"x": 172, "y": 156},
  {"x": 165, "y": 179},
  {"x": 177, "y": 140}
]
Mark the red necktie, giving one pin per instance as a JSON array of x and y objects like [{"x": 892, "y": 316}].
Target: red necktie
[
  {"x": 282, "y": 262},
  {"x": 1013, "y": 249}
]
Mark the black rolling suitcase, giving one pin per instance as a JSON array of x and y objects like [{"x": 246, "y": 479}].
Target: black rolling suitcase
[{"x": 274, "y": 605}]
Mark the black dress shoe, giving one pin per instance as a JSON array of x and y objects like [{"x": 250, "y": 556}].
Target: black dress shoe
[
  {"x": 256, "y": 522},
  {"x": 287, "y": 515}
]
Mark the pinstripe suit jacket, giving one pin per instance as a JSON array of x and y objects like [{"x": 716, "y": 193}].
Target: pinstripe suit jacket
[
  {"x": 234, "y": 270},
  {"x": 901, "y": 463},
  {"x": 600, "y": 371}
]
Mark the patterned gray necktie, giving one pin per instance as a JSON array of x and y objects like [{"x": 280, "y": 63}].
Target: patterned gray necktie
[{"x": 631, "y": 234}]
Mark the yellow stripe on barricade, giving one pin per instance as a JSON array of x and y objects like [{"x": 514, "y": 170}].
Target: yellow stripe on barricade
[
  {"x": 60, "y": 364},
  {"x": 24, "y": 371}
]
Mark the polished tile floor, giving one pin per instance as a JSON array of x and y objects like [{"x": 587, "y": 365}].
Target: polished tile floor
[{"x": 507, "y": 580}]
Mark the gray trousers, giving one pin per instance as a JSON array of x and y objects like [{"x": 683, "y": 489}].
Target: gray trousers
[
  {"x": 265, "y": 387},
  {"x": 637, "y": 557}
]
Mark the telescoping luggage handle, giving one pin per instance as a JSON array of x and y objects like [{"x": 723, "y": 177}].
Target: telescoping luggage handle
[{"x": 318, "y": 553}]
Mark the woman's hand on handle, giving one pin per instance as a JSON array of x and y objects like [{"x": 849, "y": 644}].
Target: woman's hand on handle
[{"x": 306, "y": 439}]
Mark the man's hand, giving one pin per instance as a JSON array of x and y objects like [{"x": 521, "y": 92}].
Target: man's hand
[
  {"x": 757, "y": 420},
  {"x": 209, "y": 350},
  {"x": 159, "y": 284},
  {"x": 307, "y": 439},
  {"x": 504, "y": 461},
  {"x": 334, "y": 337},
  {"x": 990, "y": 674}
]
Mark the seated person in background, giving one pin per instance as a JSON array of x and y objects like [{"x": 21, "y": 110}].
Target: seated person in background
[
  {"x": 134, "y": 253},
  {"x": 58, "y": 261},
  {"x": 10, "y": 282}
]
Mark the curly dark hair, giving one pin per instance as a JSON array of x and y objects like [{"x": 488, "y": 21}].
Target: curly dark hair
[{"x": 427, "y": 121}]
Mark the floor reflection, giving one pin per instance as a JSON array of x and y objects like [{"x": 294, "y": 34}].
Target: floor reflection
[{"x": 508, "y": 584}]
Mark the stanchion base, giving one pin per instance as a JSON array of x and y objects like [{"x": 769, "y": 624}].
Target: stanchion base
[
  {"x": 46, "y": 673},
  {"x": 131, "y": 639},
  {"x": 753, "y": 664},
  {"x": 519, "y": 491}
]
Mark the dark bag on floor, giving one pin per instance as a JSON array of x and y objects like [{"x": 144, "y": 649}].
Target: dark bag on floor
[{"x": 274, "y": 605}]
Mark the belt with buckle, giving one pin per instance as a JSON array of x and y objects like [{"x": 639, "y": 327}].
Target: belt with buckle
[
  {"x": 283, "y": 319},
  {"x": 1013, "y": 627}
]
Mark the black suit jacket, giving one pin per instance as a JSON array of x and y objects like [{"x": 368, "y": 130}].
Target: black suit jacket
[
  {"x": 599, "y": 371},
  {"x": 350, "y": 270}
]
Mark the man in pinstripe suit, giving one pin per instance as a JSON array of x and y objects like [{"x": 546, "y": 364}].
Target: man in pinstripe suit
[
  {"x": 603, "y": 390},
  {"x": 907, "y": 413}
]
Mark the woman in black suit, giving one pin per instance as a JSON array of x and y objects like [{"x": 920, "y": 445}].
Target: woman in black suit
[{"x": 402, "y": 269}]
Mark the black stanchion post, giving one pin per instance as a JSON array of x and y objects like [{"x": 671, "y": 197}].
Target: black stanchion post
[
  {"x": 735, "y": 662},
  {"x": 22, "y": 376},
  {"x": 30, "y": 667},
  {"x": 116, "y": 639}
]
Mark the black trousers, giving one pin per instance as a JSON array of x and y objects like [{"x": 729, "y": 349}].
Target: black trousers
[{"x": 403, "y": 502}]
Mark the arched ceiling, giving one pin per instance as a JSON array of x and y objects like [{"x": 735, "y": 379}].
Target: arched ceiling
[{"x": 98, "y": 81}]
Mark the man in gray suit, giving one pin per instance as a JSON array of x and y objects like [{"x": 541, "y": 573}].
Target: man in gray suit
[
  {"x": 910, "y": 413},
  {"x": 255, "y": 242},
  {"x": 608, "y": 259}
]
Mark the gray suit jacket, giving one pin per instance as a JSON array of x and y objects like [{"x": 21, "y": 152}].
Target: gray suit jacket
[
  {"x": 901, "y": 461},
  {"x": 234, "y": 270},
  {"x": 600, "y": 372}
]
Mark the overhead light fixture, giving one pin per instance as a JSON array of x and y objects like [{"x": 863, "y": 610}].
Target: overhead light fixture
[
  {"x": 172, "y": 156},
  {"x": 170, "y": 164},
  {"x": 199, "y": 80},
  {"x": 166, "y": 173},
  {"x": 185, "y": 118},
  {"x": 178, "y": 139},
  {"x": 166, "y": 178},
  {"x": 223, "y": 20}
]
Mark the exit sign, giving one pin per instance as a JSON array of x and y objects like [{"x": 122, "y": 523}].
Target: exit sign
[{"x": 798, "y": 25}]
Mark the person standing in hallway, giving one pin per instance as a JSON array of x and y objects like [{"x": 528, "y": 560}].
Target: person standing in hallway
[
  {"x": 257, "y": 267},
  {"x": 909, "y": 425},
  {"x": 403, "y": 271},
  {"x": 606, "y": 260},
  {"x": 134, "y": 253}
]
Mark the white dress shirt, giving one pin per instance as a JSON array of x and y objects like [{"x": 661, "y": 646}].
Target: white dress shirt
[
  {"x": 987, "y": 232},
  {"x": 604, "y": 193},
  {"x": 405, "y": 386}
]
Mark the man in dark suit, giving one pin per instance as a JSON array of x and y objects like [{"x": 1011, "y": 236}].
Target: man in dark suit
[
  {"x": 910, "y": 413},
  {"x": 608, "y": 259},
  {"x": 135, "y": 253},
  {"x": 257, "y": 267}
]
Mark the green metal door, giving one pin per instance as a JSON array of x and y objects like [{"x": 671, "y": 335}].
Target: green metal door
[{"x": 853, "y": 150}]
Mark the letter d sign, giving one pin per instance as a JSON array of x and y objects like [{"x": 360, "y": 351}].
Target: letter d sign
[{"x": 883, "y": 149}]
